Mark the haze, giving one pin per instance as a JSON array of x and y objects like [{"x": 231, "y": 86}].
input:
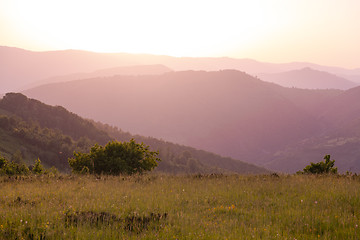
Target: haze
[{"x": 323, "y": 32}]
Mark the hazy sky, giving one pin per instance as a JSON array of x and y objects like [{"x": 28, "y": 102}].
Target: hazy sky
[{"x": 320, "y": 31}]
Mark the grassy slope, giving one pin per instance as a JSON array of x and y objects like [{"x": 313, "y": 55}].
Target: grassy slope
[{"x": 212, "y": 207}]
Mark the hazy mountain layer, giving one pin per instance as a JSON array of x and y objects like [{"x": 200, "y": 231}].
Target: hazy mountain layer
[
  {"x": 226, "y": 112},
  {"x": 20, "y": 68},
  {"x": 309, "y": 79},
  {"x": 128, "y": 70}
]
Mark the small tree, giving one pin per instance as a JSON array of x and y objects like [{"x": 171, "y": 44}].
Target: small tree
[
  {"x": 38, "y": 167},
  {"x": 3, "y": 161},
  {"x": 115, "y": 158},
  {"x": 324, "y": 167}
]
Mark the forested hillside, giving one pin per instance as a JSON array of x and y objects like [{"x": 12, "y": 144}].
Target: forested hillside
[{"x": 30, "y": 129}]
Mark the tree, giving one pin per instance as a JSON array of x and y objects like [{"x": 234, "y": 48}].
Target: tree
[
  {"x": 324, "y": 167},
  {"x": 38, "y": 167},
  {"x": 115, "y": 158},
  {"x": 3, "y": 162}
]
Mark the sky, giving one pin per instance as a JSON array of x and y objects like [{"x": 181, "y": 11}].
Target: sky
[{"x": 325, "y": 32}]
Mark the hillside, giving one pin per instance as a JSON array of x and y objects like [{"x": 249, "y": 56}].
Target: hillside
[
  {"x": 342, "y": 109},
  {"x": 227, "y": 112},
  {"x": 308, "y": 78},
  {"x": 341, "y": 118},
  {"x": 30, "y": 129}
]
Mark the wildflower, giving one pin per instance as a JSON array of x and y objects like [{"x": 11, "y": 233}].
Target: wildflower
[
  {"x": 301, "y": 200},
  {"x": 315, "y": 202}
]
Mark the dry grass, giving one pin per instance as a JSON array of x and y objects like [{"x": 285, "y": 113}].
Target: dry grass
[{"x": 180, "y": 207}]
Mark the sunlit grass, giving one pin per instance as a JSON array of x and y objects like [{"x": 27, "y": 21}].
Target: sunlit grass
[{"x": 191, "y": 207}]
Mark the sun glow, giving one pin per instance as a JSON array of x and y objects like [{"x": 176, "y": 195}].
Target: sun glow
[
  {"x": 181, "y": 28},
  {"x": 268, "y": 30}
]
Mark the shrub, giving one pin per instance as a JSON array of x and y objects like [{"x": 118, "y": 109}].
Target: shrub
[
  {"x": 3, "y": 161},
  {"x": 12, "y": 168},
  {"x": 324, "y": 167},
  {"x": 115, "y": 158},
  {"x": 38, "y": 167}
]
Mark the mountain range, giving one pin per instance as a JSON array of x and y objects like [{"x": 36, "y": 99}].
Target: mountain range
[
  {"x": 21, "y": 68},
  {"x": 233, "y": 113}
]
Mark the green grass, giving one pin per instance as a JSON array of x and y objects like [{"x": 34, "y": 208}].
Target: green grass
[{"x": 180, "y": 207}]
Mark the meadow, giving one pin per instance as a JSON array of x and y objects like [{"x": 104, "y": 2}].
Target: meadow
[{"x": 154, "y": 206}]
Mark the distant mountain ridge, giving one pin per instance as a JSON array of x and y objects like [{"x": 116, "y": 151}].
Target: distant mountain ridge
[
  {"x": 20, "y": 68},
  {"x": 127, "y": 70},
  {"x": 309, "y": 78}
]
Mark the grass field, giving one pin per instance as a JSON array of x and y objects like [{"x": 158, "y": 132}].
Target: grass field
[{"x": 180, "y": 207}]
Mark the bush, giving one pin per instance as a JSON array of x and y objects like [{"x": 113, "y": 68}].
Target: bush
[
  {"x": 115, "y": 158},
  {"x": 325, "y": 167},
  {"x": 38, "y": 167},
  {"x": 3, "y": 161},
  {"x": 12, "y": 168}
]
